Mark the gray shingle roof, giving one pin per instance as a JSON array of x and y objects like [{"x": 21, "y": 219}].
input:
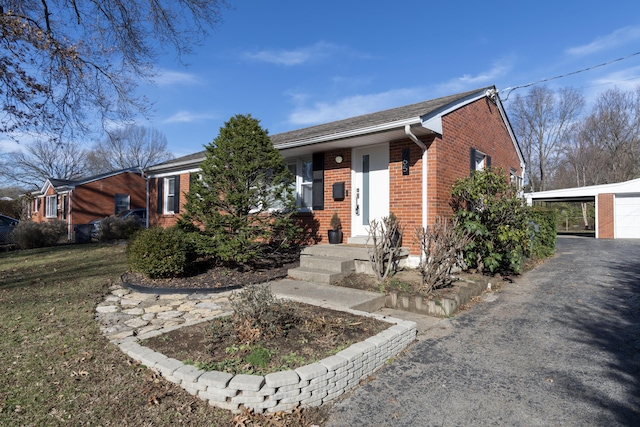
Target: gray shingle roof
[
  {"x": 354, "y": 123},
  {"x": 370, "y": 120}
]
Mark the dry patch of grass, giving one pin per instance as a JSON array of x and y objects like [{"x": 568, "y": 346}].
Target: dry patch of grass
[{"x": 57, "y": 368}]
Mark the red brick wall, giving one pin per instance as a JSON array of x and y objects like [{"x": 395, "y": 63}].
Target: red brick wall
[
  {"x": 478, "y": 125},
  {"x": 161, "y": 219},
  {"x": 333, "y": 173},
  {"x": 605, "y": 216},
  {"x": 96, "y": 199},
  {"x": 405, "y": 191}
]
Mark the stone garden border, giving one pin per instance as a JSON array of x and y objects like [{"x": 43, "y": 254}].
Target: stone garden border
[{"x": 310, "y": 385}]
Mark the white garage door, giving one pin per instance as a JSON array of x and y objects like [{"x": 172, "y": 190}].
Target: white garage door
[{"x": 627, "y": 212}]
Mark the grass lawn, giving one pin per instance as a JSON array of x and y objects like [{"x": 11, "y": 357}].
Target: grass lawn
[{"x": 57, "y": 368}]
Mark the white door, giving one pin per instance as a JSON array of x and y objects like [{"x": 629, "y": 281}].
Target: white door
[
  {"x": 627, "y": 217},
  {"x": 370, "y": 192}
]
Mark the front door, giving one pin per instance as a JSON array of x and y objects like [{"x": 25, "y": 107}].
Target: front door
[{"x": 370, "y": 192}]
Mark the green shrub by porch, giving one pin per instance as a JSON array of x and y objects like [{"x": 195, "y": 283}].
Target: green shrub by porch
[
  {"x": 160, "y": 253},
  {"x": 243, "y": 196}
]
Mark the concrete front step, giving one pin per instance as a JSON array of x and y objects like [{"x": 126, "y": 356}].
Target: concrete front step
[
  {"x": 315, "y": 275},
  {"x": 328, "y": 263},
  {"x": 337, "y": 251}
]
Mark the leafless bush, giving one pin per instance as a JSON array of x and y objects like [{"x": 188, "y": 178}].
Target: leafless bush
[
  {"x": 29, "y": 234},
  {"x": 383, "y": 246},
  {"x": 441, "y": 248},
  {"x": 114, "y": 228},
  {"x": 258, "y": 313}
]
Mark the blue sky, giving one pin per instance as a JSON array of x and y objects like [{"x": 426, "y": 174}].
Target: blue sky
[{"x": 293, "y": 64}]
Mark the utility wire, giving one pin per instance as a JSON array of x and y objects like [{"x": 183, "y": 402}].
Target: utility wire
[{"x": 511, "y": 89}]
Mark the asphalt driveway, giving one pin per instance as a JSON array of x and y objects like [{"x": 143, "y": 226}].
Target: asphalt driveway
[{"x": 559, "y": 347}]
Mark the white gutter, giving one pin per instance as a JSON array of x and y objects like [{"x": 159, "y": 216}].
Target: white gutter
[{"x": 423, "y": 146}]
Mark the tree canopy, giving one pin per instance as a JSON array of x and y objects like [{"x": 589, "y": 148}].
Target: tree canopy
[
  {"x": 243, "y": 197},
  {"x": 129, "y": 147},
  {"x": 64, "y": 63}
]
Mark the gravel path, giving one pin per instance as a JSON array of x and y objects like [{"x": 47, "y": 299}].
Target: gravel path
[{"x": 559, "y": 347}]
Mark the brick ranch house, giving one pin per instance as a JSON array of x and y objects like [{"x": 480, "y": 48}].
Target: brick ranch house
[
  {"x": 403, "y": 160},
  {"x": 80, "y": 201}
]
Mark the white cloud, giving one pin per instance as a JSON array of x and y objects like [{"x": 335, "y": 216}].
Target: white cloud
[
  {"x": 616, "y": 38},
  {"x": 10, "y": 146},
  {"x": 626, "y": 80},
  {"x": 168, "y": 77},
  {"x": 468, "y": 81},
  {"x": 293, "y": 57},
  {"x": 188, "y": 117},
  {"x": 323, "y": 112}
]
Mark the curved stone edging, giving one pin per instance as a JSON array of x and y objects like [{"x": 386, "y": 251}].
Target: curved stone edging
[
  {"x": 165, "y": 291},
  {"x": 310, "y": 385}
]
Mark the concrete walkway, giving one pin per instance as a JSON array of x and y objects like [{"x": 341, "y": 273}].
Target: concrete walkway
[{"x": 127, "y": 313}]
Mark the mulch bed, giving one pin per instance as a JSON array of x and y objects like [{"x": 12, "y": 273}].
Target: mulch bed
[
  {"x": 314, "y": 333},
  {"x": 209, "y": 275}
]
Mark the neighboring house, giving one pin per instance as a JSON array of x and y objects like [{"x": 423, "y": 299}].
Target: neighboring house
[
  {"x": 80, "y": 201},
  {"x": 404, "y": 160},
  {"x": 617, "y": 206}
]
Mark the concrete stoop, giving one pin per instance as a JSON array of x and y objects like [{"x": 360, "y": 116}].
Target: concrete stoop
[
  {"x": 445, "y": 306},
  {"x": 328, "y": 264}
]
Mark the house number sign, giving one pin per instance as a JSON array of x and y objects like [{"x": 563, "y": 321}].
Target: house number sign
[{"x": 405, "y": 161}]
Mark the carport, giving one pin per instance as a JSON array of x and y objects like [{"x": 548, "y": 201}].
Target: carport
[{"x": 617, "y": 206}]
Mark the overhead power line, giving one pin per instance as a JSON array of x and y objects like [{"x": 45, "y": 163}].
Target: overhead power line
[{"x": 511, "y": 89}]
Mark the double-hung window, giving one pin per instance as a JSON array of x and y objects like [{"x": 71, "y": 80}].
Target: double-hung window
[
  {"x": 51, "y": 206},
  {"x": 302, "y": 170},
  {"x": 122, "y": 203},
  {"x": 169, "y": 194},
  {"x": 479, "y": 160}
]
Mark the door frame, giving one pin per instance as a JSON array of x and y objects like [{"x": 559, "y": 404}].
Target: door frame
[{"x": 378, "y": 186}]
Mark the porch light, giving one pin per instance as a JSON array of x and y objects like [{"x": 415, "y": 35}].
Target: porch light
[{"x": 339, "y": 159}]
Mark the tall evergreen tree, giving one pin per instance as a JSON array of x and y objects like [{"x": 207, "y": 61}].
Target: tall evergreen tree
[{"x": 243, "y": 197}]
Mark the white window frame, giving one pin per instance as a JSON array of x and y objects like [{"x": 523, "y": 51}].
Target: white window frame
[
  {"x": 122, "y": 197},
  {"x": 481, "y": 161},
  {"x": 51, "y": 206},
  {"x": 300, "y": 183},
  {"x": 167, "y": 208}
]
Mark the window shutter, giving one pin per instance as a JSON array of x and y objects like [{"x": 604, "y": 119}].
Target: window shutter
[
  {"x": 160, "y": 187},
  {"x": 473, "y": 159},
  {"x": 487, "y": 161},
  {"x": 176, "y": 195},
  {"x": 318, "y": 181}
]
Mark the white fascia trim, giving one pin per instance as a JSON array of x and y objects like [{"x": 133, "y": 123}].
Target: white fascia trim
[
  {"x": 433, "y": 120},
  {"x": 174, "y": 165},
  {"x": 350, "y": 134},
  {"x": 177, "y": 172}
]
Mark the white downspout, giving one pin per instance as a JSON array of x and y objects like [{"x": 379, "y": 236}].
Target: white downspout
[{"x": 423, "y": 146}]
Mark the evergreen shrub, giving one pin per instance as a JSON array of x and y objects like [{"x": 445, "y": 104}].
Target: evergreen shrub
[{"x": 161, "y": 253}]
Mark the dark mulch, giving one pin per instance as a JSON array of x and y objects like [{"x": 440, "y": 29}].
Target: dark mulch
[
  {"x": 208, "y": 274},
  {"x": 313, "y": 334}
]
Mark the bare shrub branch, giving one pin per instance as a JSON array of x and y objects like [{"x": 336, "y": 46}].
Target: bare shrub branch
[
  {"x": 441, "y": 246},
  {"x": 383, "y": 246}
]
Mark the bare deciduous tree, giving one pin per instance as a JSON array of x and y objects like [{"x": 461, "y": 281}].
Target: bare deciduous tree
[
  {"x": 63, "y": 61},
  {"x": 129, "y": 147},
  {"x": 542, "y": 120},
  {"x": 41, "y": 160},
  {"x": 614, "y": 125}
]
